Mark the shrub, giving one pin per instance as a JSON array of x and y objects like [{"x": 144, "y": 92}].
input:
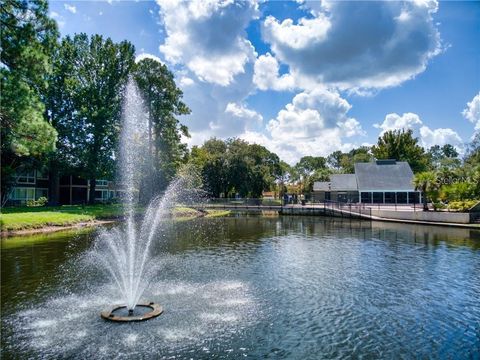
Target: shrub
[
  {"x": 42, "y": 201},
  {"x": 462, "y": 206},
  {"x": 457, "y": 191}
]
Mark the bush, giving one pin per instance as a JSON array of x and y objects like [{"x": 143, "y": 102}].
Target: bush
[
  {"x": 42, "y": 201},
  {"x": 460, "y": 191},
  {"x": 462, "y": 206},
  {"x": 438, "y": 206}
]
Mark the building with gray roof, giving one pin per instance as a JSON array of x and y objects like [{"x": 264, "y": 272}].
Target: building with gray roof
[{"x": 377, "y": 182}]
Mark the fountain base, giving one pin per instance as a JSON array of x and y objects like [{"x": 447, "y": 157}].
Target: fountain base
[{"x": 141, "y": 312}]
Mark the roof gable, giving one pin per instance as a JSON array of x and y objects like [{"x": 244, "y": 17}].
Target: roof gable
[{"x": 384, "y": 176}]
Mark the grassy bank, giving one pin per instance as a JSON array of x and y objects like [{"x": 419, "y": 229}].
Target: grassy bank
[
  {"x": 23, "y": 218},
  {"x": 15, "y": 219}
]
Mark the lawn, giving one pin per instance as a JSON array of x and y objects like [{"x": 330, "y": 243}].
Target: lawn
[{"x": 22, "y": 218}]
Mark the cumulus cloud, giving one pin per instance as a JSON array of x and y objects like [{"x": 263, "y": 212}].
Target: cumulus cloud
[
  {"x": 208, "y": 37},
  {"x": 356, "y": 44},
  {"x": 315, "y": 123},
  {"x": 428, "y": 137},
  {"x": 142, "y": 56},
  {"x": 472, "y": 111},
  {"x": 70, "y": 8},
  {"x": 266, "y": 74},
  {"x": 218, "y": 110},
  {"x": 58, "y": 18}
]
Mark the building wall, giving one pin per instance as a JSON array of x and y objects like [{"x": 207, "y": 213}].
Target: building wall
[{"x": 72, "y": 189}]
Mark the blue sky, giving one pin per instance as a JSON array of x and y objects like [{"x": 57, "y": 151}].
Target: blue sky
[{"x": 306, "y": 77}]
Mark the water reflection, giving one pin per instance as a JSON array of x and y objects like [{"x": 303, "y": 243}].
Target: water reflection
[{"x": 256, "y": 286}]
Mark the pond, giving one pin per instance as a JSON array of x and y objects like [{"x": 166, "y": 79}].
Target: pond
[{"x": 254, "y": 287}]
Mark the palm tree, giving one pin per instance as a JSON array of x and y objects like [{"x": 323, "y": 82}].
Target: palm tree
[{"x": 427, "y": 182}]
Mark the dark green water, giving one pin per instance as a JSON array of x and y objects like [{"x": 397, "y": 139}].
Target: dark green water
[{"x": 255, "y": 287}]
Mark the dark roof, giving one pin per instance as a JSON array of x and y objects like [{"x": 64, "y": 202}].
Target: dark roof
[
  {"x": 343, "y": 182},
  {"x": 384, "y": 175}
]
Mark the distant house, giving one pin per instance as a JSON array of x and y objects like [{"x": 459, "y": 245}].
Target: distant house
[{"x": 377, "y": 182}]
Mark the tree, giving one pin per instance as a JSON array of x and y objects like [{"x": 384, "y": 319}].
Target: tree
[
  {"x": 334, "y": 159},
  {"x": 348, "y": 160},
  {"x": 235, "y": 166},
  {"x": 89, "y": 113},
  {"x": 427, "y": 183},
  {"x": 306, "y": 167},
  {"x": 472, "y": 156},
  {"x": 163, "y": 101},
  {"x": 402, "y": 146},
  {"x": 445, "y": 156},
  {"x": 28, "y": 38}
]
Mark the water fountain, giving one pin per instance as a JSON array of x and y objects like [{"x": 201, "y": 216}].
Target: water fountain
[{"x": 124, "y": 252}]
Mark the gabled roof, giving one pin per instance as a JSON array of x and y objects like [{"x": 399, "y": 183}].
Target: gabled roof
[
  {"x": 343, "y": 182},
  {"x": 384, "y": 175}
]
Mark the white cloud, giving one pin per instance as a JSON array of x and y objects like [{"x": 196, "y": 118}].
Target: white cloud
[
  {"x": 397, "y": 122},
  {"x": 356, "y": 44},
  {"x": 217, "y": 110},
  {"x": 266, "y": 74},
  {"x": 208, "y": 37},
  {"x": 185, "y": 81},
  {"x": 472, "y": 111},
  {"x": 428, "y": 137},
  {"x": 58, "y": 18},
  {"x": 70, "y": 8},
  {"x": 142, "y": 56},
  {"x": 314, "y": 123}
]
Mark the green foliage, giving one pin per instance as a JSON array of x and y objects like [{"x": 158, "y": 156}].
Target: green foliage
[
  {"x": 28, "y": 38},
  {"x": 163, "y": 100},
  {"x": 85, "y": 103},
  {"x": 443, "y": 157},
  {"x": 402, "y": 146},
  {"x": 334, "y": 159},
  {"x": 462, "y": 206},
  {"x": 457, "y": 191},
  {"x": 427, "y": 182},
  {"x": 234, "y": 166},
  {"x": 42, "y": 201}
]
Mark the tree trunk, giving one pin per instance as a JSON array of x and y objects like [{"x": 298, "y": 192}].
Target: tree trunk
[
  {"x": 424, "y": 200},
  {"x": 93, "y": 184},
  {"x": 53, "y": 186}
]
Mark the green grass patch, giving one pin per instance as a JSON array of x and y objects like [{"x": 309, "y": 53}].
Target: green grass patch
[
  {"x": 23, "y": 218},
  {"x": 217, "y": 213},
  {"x": 27, "y": 220}
]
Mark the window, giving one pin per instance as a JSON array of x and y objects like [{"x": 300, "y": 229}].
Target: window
[
  {"x": 23, "y": 194},
  {"x": 389, "y": 198},
  {"x": 42, "y": 175},
  {"x": 401, "y": 197},
  {"x": 27, "y": 177},
  {"x": 41, "y": 193},
  {"x": 366, "y": 197},
  {"x": 101, "y": 182},
  {"x": 101, "y": 194},
  {"x": 413, "y": 197},
  {"x": 378, "y": 197}
]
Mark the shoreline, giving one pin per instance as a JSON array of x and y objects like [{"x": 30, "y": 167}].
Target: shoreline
[
  {"x": 54, "y": 228},
  {"x": 180, "y": 215}
]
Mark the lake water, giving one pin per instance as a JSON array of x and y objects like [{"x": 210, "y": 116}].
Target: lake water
[{"x": 254, "y": 287}]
